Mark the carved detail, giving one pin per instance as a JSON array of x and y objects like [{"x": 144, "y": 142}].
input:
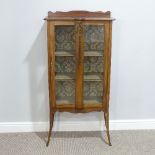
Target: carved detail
[
  {"x": 78, "y": 27},
  {"x": 79, "y": 14}
]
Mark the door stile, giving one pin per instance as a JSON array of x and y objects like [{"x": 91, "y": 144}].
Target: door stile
[
  {"x": 79, "y": 65},
  {"x": 51, "y": 66},
  {"x": 107, "y": 64}
]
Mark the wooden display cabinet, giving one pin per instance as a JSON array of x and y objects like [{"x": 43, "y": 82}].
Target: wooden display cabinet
[{"x": 79, "y": 60}]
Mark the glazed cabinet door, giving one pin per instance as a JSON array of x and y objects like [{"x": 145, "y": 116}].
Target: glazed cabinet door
[
  {"x": 63, "y": 64},
  {"x": 78, "y": 60},
  {"x": 93, "y": 49}
]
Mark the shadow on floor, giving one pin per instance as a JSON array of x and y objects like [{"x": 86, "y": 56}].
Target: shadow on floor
[{"x": 73, "y": 134}]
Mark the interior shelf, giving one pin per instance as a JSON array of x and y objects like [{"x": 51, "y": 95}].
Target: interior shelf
[
  {"x": 65, "y": 101},
  {"x": 93, "y": 101},
  {"x": 64, "y": 53},
  {"x": 93, "y": 53},
  {"x": 93, "y": 77},
  {"x": 91, "y": 42},
  {"x": 64, "y": 77},
  {"x": 86, "y": 77},
  {"x": 86, "y": 53}
]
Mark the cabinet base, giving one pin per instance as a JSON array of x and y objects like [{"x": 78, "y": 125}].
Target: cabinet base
[{"x": 106, "y": 119}]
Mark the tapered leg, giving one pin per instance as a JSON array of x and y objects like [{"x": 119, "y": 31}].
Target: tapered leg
[
  {"x": 106, "y": 118},
  {"x": 50, "y": 128}
]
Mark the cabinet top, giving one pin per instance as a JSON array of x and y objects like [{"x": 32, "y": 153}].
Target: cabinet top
[{"x": 79, "y": 15}]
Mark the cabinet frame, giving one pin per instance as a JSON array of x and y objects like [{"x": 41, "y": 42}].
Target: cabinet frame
[
  {"x": 79, "y": 65},
  {"x": 78, "y": 19}
]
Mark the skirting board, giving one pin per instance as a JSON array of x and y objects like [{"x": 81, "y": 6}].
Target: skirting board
[{"x": 9, "y": 127}]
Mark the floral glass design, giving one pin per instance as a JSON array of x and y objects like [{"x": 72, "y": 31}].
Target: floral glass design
[
  {"x": 93, "y": 64},
  {"x": 94, "y": 89},
  {"x": 65, "y": 38},
  {"x": 65, "y": 65},
  {"x": 65, "y": 91},
  {"x": 94, "y": 38}
]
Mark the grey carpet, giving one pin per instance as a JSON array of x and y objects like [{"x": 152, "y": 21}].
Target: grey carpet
[{"x": 78, "y": 143}]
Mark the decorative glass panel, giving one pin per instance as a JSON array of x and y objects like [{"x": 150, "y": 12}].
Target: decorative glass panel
[
  {"x": 94, "y": 37},
  {"x": 93, "y": 64},
  {"x": 93, "y": 91},
  {"x": 65, "y": 65},
  {"x": 65, "y": 38},
  {"x": 65, "y": 92}
]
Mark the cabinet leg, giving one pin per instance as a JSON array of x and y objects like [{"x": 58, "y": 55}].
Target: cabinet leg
[
  {"x": 50, "y": 128},
  {"x": 106, "y": 118}
]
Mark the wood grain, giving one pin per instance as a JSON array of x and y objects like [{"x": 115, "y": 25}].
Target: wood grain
[
  {"x": 109, "y": 62},
  {"x": 51, "y": 68},
  {"x": 79, "y": 19},
  {"x": 79, "y": 15},
  {"x": 79, "y": 64}
]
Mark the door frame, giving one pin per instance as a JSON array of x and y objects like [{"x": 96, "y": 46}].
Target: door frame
[
  {"x": 79, "y": 56},
  {"x": 105, "y": 24},
  {"x": 51, "y": 65}
]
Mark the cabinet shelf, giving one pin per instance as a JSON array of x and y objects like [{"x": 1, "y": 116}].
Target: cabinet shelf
[
  {"x": 64, "y": 77},
  {"x": 64, "y": 53},
  {"x": 93, "y": 78},
  {"x": 91, "y": 42},
  {"x": 65, "y": 101},
  {"x": 86, "y": 53},
  {"x": 92, "y": 101},
  {"x": 93, "y": 53},
  {"x": 86, "y": 77}
]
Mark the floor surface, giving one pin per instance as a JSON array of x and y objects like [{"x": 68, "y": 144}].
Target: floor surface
[{"x": 79, "y": 143}]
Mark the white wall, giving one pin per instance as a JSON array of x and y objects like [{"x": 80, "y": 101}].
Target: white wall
[{"x": 23, "y": 59}]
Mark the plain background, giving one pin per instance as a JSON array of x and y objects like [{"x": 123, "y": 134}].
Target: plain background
[{"x": 23, "y": 59}]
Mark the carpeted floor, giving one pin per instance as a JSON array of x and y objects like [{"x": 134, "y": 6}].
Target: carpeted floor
[{"x": 78, "y": 143}]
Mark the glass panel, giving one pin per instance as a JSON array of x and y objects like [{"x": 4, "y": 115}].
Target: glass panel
[
  {"x": 65, "y": 65},
  {"x": 93, "y": 64},
  {"x": 93, "y": 90},
  {"x": 65, "y": 91},
  {"x": 65, "y": 39}
]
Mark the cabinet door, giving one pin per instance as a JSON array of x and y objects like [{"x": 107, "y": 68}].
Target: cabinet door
[
  {"x": 93, "y": 64},
  {"x": 64, "y": 63}
]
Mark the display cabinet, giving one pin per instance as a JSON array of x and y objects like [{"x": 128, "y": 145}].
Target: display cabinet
[{"x": 79, "y": 60}]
